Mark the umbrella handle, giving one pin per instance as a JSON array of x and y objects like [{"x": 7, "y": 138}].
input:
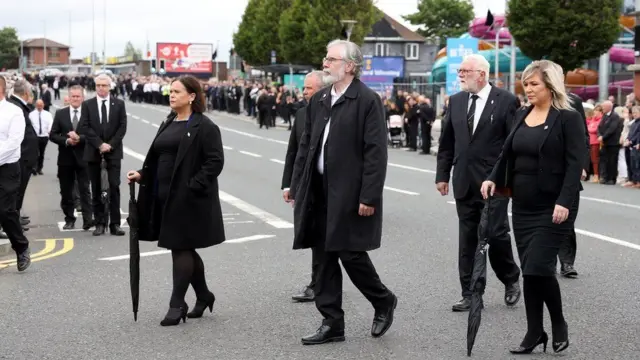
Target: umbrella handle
[{"x": 132, "y": 190}]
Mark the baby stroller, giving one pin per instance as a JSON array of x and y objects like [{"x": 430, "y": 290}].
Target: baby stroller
[{"x": 395, "y": 130}]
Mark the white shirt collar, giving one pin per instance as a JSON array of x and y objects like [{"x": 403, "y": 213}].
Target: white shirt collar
[
  {"x": 484, "y": 93},
  {"x": 71, "y": 109},
  {"x": 100, "y": 99},
  {"x": 334, "y": 93}
]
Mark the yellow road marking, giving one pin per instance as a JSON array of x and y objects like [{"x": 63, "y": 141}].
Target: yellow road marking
[{"x": 46, "y": 253}]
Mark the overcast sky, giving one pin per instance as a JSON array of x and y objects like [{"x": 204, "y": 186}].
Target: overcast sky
[{"x": 208, "y": 21}]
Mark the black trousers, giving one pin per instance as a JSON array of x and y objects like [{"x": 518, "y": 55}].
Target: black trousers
[
  {"x": 568, "y": 249},
  {"x": 412, "y": 135},
  {"x": 357, "y": 264},
  {"x": 609, "y": 163},
  {"x": 500, "y": 252},
  {"x": 426, "y": 136},
  {"x": 314, "y": 268},
  {"x": 99, "y": 210},
  {"x": 69, "y": 176},
  {"x": 42, "y": 145},
  {"x": 10, "y": 183},
  {"x": 26, "y": 170}
]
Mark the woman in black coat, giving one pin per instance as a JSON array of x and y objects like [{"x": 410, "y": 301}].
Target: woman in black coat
[
  {"x": 178, "y": 203},
  {"x": 540, "y": 166}
]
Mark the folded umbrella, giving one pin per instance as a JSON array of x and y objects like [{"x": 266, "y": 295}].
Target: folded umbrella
[
  {"x": 134, "y": 250},
  {"x": 478, "y": 278},
  {"x": 104, "y": 189}
]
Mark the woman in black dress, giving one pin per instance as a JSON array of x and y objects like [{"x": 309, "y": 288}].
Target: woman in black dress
[
  {"x": 540, "y": 166},
  {"x": 178, "y": 203}
]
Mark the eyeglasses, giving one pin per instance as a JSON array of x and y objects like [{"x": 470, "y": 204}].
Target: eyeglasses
[
  {"x": 466, "y": 71},
  {"x": 331, "y": 59}
]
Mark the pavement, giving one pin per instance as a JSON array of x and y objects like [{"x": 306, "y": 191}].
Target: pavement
[{"x": 76, "y": 305}]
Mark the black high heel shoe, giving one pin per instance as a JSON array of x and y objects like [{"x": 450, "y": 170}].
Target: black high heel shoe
[
  {"x": 174, "y": 315},
  {"x": 543, "y": 339},
  {"x": 201, "y": 305},
  {"x": 559, "y": 346}
]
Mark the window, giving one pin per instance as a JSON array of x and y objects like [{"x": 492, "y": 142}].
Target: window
[
  {"x": 411, "y": 51},
  {"x": 52, "y": 53},
  {"x": 382, "y": 49}
]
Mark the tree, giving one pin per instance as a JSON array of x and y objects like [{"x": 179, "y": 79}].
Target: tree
[
  {"x": 442, "y": 18},
  {"x": 265, "y": 36},
  {"x": 294, "y": 49},
  {"x": 130, "y": 50},
  {"x": 565, "y": 32},
  {"x": 243, "y": 38},
  {"x": 9, "y": 47},
  {"x": 323, "y": 24}
]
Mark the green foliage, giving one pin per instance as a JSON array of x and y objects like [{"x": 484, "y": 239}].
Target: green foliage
[
  {"x": 442, "y": 18},
  {"x": 265, "y": 36},
  {"x": 323, "y": 24},
  {"x": 243, "y": 38},
  {"x": 567, "y": 32},
  {"x": 291, "y": 32},
  {"x": 9, "y": 47},
  {"x": 130, "y": 50}
]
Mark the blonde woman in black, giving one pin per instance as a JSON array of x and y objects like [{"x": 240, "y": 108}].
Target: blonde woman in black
[{"x": 540, "y": 166}]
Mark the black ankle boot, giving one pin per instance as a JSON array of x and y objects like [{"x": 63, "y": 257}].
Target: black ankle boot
[{"x": 201, "y": 305}]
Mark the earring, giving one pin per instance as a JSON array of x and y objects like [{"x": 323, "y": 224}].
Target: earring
[{"x": 190, "y": 102}]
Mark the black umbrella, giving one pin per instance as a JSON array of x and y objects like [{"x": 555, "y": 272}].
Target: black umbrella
[
  {"x": 104, "y": 189},
  {"x": 478, "y": 278},
  {"x": 134, "y": 250}
]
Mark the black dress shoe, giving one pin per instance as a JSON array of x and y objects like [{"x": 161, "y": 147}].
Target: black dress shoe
[
  {"x": 24, "y": 260},
  {"x": 324, "y": 334},
  {"x": 25, "y": 222},
  {"x": 512, "y": 294},
  {"x": 69, "y": 225},
  {"x": 116, "y": 230},
  {"x": 86, "y": 225},
  {"x": 463, "y": 305},
  {"x": 3, "y": 235},
  {"x": 383, "y": 319},
  {"x": 100, "y": 229},
  {"x": 174, "y": 315},
  {"x": 568, "y": 271},
  {"x": 202, "y": 305},
  {"x": 528, "y": 349},
  {"x": 561, "y": 341},
  {"x": 305, "y": 295}
]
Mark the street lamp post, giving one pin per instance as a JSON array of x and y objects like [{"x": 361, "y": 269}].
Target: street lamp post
[{"x": 349, "y": 24}]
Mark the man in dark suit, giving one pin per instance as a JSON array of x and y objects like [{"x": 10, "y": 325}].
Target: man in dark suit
[
  {"x": 71, "y": 165},
  {"x": 45, "y": 95},
  {"x": 478, "y": 120},
  {"x": 313, "y": 82},
  {"x": 338, "y": 189},
  {"x": 609, "y": 132},
  {"x": 29, "y": 148},
  {"x": 104, "y": 124}
]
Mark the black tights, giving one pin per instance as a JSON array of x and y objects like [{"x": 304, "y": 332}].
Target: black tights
[
  {"x": 540, "y": 290},
  {"x": 188, "y": 268}
]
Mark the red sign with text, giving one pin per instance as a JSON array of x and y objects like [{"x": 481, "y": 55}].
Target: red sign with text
[{"x": 185, "y": 58}]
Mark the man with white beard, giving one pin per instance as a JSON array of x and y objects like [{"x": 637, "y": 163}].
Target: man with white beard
[{"x": 337, "y": 186}]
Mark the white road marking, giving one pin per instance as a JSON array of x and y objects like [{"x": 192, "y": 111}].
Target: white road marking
[
  {"x": 146, "y": 121},
  {"x": 597, "y": 236},
  {"x": 277, "y": 161},
  {"x": 406, "y": 167},
  {"x": 249, "y": 153},
  {"x": 253, "y": 135},
  {"x": 163, "y": 252},
  {"x": 235, "y": 202},
  {"x": 135, "y": 117},
  {"x": 401, "y": 191},
  {"x": 240, "y": 222},
  {"x": 227, "y": 147},
  {"x": 610, "y": 202},
  {"x": 155, "y": 125}
]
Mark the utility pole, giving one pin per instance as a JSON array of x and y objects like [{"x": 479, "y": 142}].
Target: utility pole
[
  {"x": 69, "y": 38},
  {"x": 93, "y": 35},
  {"x": 512, "y": 64},
  {"x": 104, "y": 43},
  {"x": 45, "y": 43}
]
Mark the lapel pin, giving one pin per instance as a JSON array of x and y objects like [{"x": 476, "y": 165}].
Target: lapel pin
[
  {"x": 491, "y": 102},
  {"x": 324, "y": 96},
  {"x": 546, "y": 127},
  {"x": 188, "y": 134}
]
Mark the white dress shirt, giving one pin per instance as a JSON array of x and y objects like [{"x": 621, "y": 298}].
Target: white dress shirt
[
  {"x": 47, "y": 120},
  {"x": 12, "y": 126},
  {"x": 334, "y": 97},
  {"x": 107, "y": 104},
  {"x": 71, "y": 113},
  {"x": 483, "y": 96}
]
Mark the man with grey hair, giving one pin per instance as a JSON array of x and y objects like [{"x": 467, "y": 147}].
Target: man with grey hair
[
  {"x": 29, "y": 151},
  {"x": 337, "y": 185},
  {"x": 313, "y": 82},
  {"x": 478, "y": 120},
  {"x": 12, "y": 120}
]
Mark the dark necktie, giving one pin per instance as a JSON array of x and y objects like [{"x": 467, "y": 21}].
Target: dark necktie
[
  {"x": 471, "y": 114},
  {"x": 74, "y": 121},
  {"x": 104, "y": 114},
  {"x": 40, "y": 120}
]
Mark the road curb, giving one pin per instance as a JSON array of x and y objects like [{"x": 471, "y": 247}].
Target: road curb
[{"x": 5, "y": 247}]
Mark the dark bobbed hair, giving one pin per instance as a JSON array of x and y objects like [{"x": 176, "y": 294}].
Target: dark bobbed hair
[{"x": 193, "y": 87}]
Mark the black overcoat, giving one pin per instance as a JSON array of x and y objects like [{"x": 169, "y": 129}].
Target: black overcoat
[
  {"x": 192, "y": 216},
  {"x": 355, "y": 168}
]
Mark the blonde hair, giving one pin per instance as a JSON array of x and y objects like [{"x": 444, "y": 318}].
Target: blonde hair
[{"x": 553, "y": 78}]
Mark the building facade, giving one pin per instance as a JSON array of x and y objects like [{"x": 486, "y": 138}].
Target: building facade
[{"x": 34, "y": 52}]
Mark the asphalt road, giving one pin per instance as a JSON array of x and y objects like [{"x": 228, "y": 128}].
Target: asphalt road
[{"x": 77, "y": 305}]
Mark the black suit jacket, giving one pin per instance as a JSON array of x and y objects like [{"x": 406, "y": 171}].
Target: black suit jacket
[
  {"x": 292, "y": 149},
  {"x": 91, "y": 127},
  {"x": 610, "y": 129},
  {"x": 68, "y": 155},
  {"x": 29, "y": 149},
  {"x": 561, "y": 156},
  {"x": 576, "y": 104},
  {"x": 473, "y": 158}
]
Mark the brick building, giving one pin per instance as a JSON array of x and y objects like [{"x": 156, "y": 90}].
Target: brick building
[{"x": 57, "y": 53}]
